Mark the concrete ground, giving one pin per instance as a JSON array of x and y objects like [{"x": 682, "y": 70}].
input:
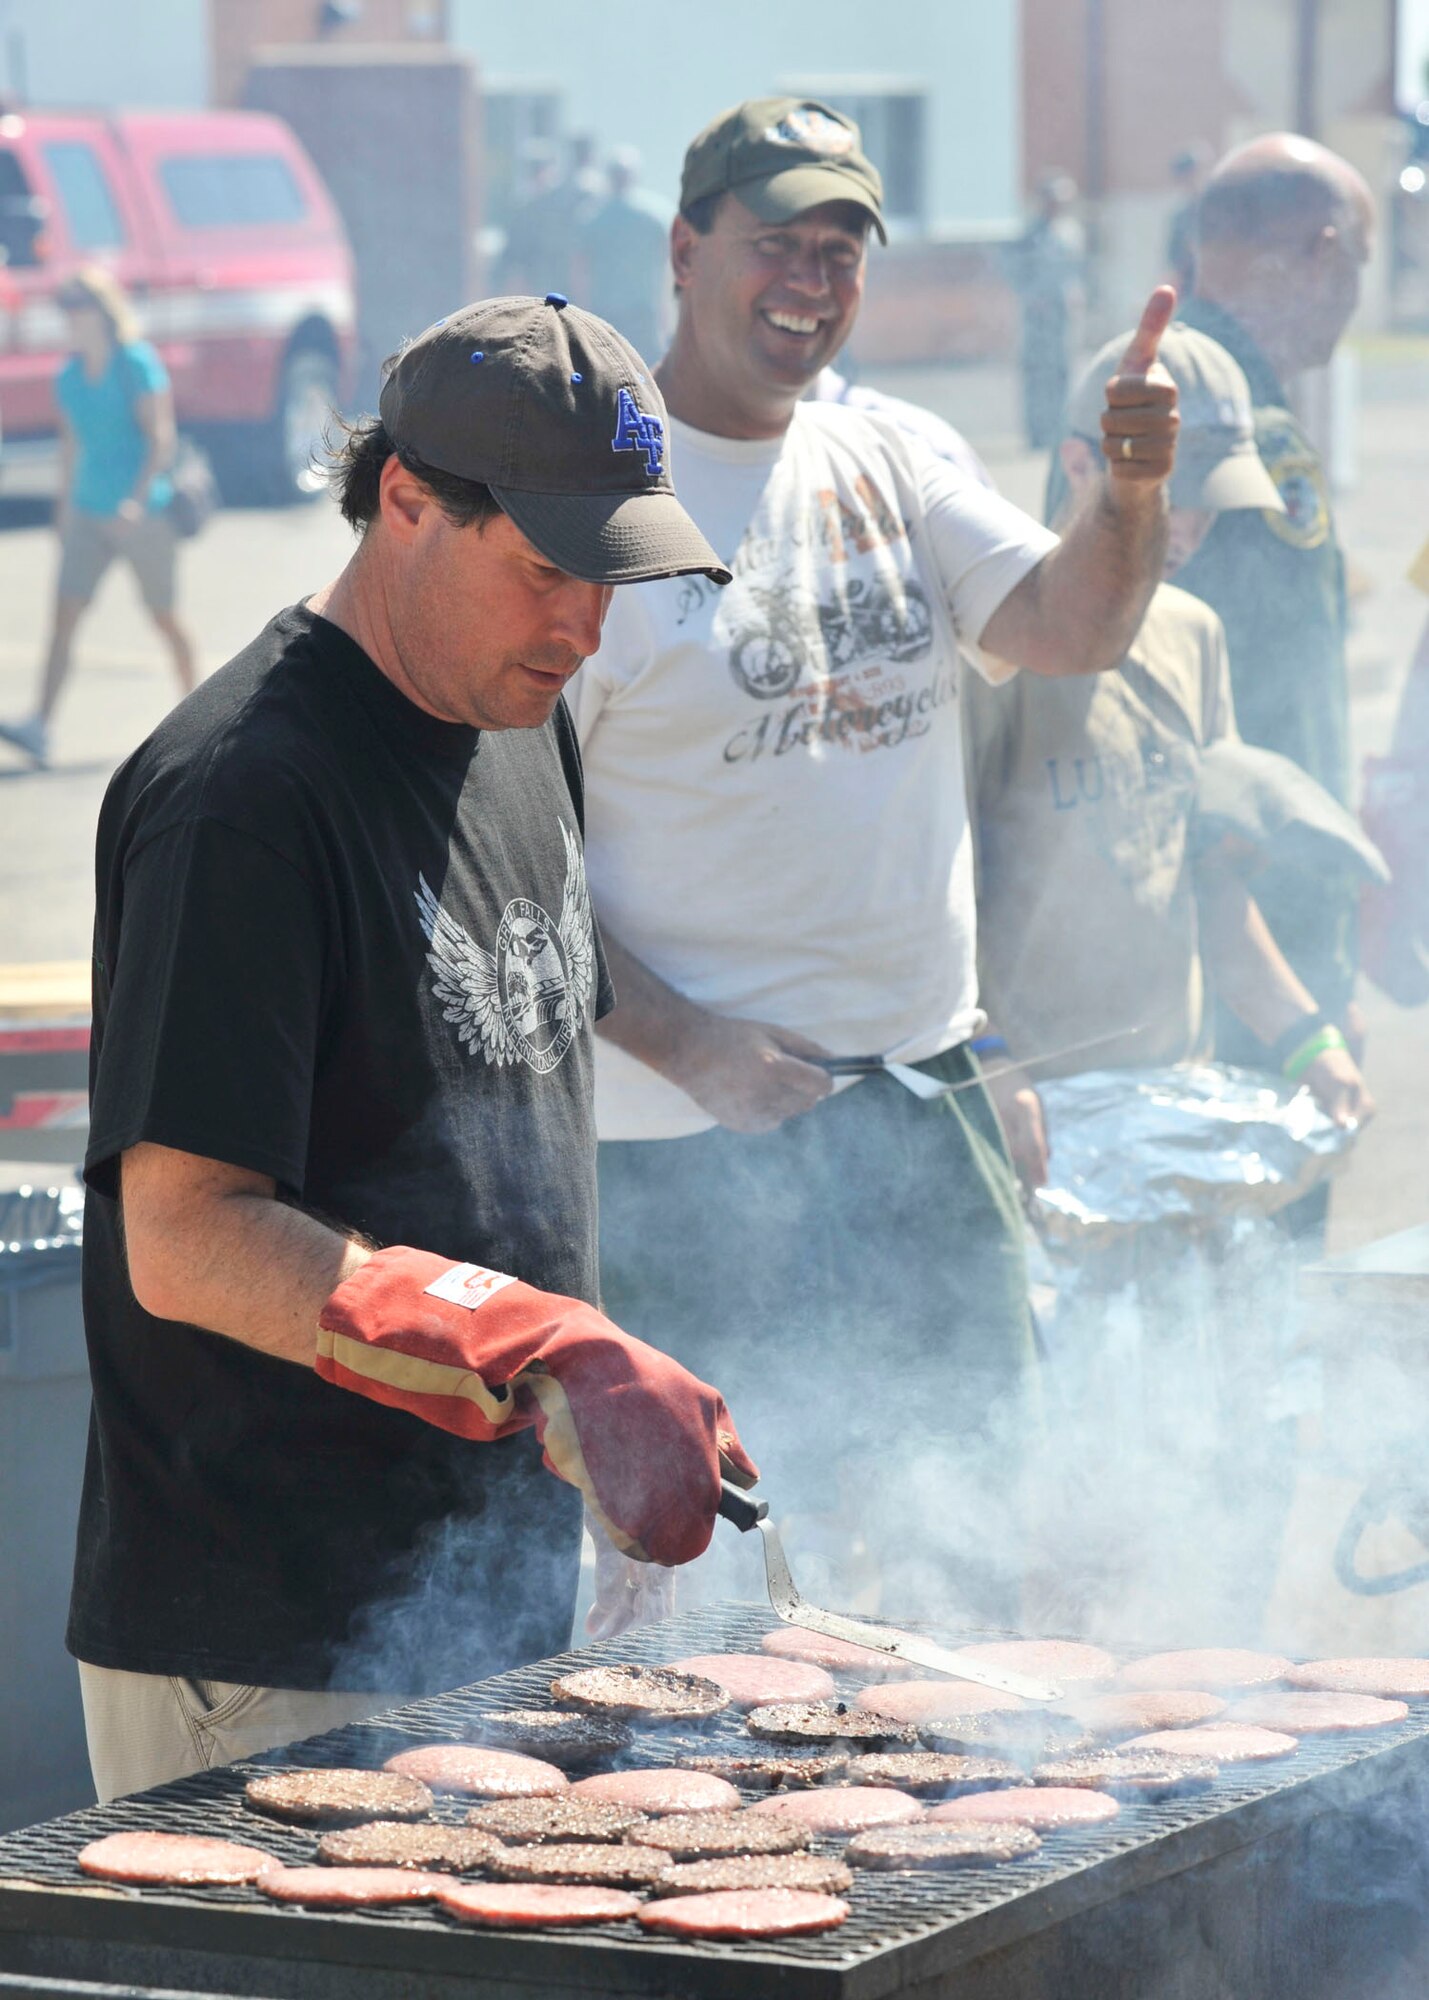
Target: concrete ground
[{"x": 248, "y": 564}]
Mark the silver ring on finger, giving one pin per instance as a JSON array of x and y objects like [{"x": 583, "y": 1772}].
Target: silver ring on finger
[{"x": 1126, "y": 447}]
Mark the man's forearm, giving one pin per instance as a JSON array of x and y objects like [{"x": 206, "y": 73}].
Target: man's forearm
[
  {"x": 211, "y": 1246},
  {"x": 650, "y": 1020},
  {"x": 1247, "y": 967},
  {"x": 1078, "y": 611},
  {"x": 748, "y": 1075}
]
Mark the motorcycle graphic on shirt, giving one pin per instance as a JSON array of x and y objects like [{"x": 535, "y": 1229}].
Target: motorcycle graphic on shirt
[
  {"x": 524, "y": 1000},
  {"x": 782, "y": 637}
]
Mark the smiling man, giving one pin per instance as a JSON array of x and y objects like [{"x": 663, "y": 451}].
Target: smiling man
[
  {"x": 779, "y": 851},
  {"x": 345, "y": 978}
]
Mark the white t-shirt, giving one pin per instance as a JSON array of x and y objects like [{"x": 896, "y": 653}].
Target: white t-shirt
[{"x": 775, "y": 814}]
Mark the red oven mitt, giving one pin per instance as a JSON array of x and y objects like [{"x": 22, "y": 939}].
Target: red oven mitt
[{"x": 482, "y": 1354}]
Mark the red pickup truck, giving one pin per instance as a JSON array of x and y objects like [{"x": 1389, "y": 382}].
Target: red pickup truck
[{"x": 220, "y": 229}]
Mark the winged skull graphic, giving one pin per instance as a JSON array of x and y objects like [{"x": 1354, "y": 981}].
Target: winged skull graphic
[{"x": 497, "y": 1001}]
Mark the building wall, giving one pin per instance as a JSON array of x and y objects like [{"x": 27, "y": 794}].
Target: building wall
[
  {"x": 650, "y": 73},
  {"x": 237, "y": 27},
  {"x": 1177, "y": 70}
]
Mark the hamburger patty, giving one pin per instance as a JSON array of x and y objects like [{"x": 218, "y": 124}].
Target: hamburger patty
[
  {"x": 817, "y": 1873},
  {"x": 1390, "y": 1677},
  {"x": 1211, "y": 1667},
  {"x": 338, "y": 1797},
  {"x": 946, "y": 1845},
  {"x": 478, "y": 1772},
  {"x": 391, "y": 1843},
  {"x": 714, "y": 1836},
  {"x": 792, "y": 1642},
  {"x": 917, "y": 1702},
  {"x": 641, "y": 1694},
  {"x": 610, "y": 1866},
  {"x": 532, "y": 1905},
  {"x": 752, "y": 1680},
  {"x": 147, "y": 1856},
  {"x": 1318, "y": 1713},
  {"x": 528, "y": 1821},
  {"x": 824, "y": 1722},
  {"x": 349, "y": 1888},
  {"x": 557, "y": 1734},
  {"x": 933, "y": 1771},
  {"x": 1135, "y": 1774},
  {"x": 1066, "y": 1661},
  {"x": 1029, "y": 1734},
  {"x": 1044, "y": 1808},
  {"x": 659, "y": 1791},
  {"x": 745, "y": 1913},
  {"x": 841, "y": 1808},
  {"x": 1223, "y": 1742},
  {"x": 770, "y": 1774},
  {"x": 1114, "y": 1715}
]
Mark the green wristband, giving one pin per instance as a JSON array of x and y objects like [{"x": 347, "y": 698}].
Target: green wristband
[{"x": 1319, "y": 1044}]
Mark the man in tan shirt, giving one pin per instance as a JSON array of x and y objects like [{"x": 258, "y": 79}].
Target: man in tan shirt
[{"x": 1095, "y": 918}]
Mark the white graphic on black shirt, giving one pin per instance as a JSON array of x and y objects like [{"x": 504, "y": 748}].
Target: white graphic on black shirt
[{"x": 523, "y": 1001}]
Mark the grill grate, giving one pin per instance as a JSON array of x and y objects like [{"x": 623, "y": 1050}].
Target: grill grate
[{"x": 886, "y": 1911}]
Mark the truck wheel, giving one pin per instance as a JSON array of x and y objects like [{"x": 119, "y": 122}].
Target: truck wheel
[
  {"x": 277, "y": 463},
  {"x": 307, "y": 395}
]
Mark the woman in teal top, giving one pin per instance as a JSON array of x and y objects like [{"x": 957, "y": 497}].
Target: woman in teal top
[{"x": 117, "y": 440}]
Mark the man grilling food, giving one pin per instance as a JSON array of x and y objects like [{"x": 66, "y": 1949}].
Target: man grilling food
[{"x": 345, "y": 977}]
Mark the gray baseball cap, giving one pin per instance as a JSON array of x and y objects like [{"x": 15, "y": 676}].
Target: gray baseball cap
[
  {"x": 1217, "y": 464},
  {"x": 558, "y": 415},
  {"x": 781, "y": 155}
]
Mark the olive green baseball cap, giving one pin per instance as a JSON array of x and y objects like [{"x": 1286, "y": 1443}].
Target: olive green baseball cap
[
  {"x": 1217, "y": 465},
  {"x": 781, "y": 155},
  {"x": 558, "y": 415}
]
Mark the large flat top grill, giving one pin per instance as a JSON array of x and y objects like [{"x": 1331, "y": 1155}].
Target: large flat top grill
[{"x": 903, "y": 1929}]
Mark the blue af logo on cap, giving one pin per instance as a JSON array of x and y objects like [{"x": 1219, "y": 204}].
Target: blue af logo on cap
[{"x": 636, "y": 431}]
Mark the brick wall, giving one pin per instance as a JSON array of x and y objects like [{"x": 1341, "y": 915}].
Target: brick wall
[
  {"x": 396, "y": 135},
  {"x": 237, "y": 28},
  {"x": 1163, "y": 83}
]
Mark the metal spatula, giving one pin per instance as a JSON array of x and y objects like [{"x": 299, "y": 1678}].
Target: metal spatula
[
  {"x": 928, "y": 1087},
  {"x": 747, "y": 1513}
]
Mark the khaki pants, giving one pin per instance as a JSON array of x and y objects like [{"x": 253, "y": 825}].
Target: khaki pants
[{"x": 144, "y": 1729}]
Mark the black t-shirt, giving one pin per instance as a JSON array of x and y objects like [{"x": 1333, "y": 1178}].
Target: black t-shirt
[{"x": 347, "y": 945}]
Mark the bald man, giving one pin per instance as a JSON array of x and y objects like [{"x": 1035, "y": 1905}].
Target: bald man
[{"x": 1284, "y": 231}]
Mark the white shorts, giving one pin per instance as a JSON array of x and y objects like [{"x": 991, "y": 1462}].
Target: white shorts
[{"x": 144, "y": 1729}]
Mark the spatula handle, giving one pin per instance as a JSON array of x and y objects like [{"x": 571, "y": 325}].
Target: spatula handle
[{"x": 739, "y": 1507}]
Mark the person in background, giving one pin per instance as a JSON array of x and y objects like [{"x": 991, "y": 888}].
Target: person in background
[
  {"x": 1394, "y": 918},
  {"x": 1108, "y": 910},
  {"x": 117, "y": 439},
  {"x": 1048, "y": 264},
  {"x": 541, "y": 238},
  {"x": 1284, "y": 231},
  {"x": 779, "y": 854},
  {"x": 1094, "y": 914},
  {"x": 933, "y": 431},
  {"x": 622, "y": 257},
  {"x": 1188, "y": 169}
]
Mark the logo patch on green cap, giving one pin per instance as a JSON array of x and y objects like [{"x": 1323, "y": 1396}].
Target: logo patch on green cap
[{"x": 814, "y": 130}]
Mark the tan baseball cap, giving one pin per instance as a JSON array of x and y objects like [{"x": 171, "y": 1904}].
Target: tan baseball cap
[
  {"x": 781, "y": 155},
  {"x": 554, "y": 411},
  {"x": 1217, "y": 465}
]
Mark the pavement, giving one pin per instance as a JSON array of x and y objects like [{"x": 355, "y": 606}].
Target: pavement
[{"x": 250, "y": 563}]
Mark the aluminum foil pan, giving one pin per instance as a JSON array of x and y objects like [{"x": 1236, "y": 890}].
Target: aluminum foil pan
[{"x": 1195, "y": 1143}]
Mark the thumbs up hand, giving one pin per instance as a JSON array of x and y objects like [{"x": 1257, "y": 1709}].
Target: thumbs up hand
[{"x": 1140, "y": 421}]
